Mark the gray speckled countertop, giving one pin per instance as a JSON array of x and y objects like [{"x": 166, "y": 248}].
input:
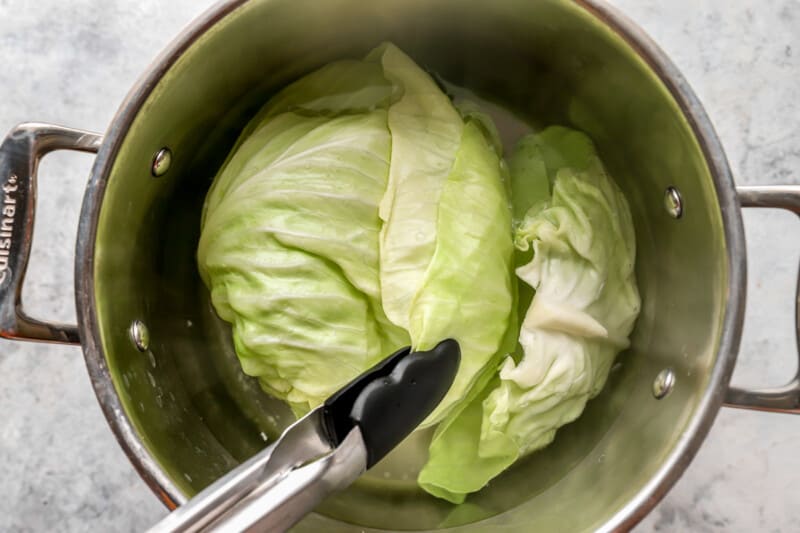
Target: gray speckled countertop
[{"x": 72, "y": 63}]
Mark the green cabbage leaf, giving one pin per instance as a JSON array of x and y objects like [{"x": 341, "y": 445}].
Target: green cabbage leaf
[{"x": 585, "y": 304}]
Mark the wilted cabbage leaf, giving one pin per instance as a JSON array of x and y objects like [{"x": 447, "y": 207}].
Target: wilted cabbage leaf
[
  {"x": 584, "y": 308},
  {"x": 358, "y": 213}
]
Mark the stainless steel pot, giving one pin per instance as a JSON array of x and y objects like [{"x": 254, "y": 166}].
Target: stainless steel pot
[{"x": 162, "y": 364}]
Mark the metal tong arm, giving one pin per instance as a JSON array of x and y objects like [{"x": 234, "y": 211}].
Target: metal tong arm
[
  {"x": 327, "y": 449},
  {"x": 278, "y": 486}
]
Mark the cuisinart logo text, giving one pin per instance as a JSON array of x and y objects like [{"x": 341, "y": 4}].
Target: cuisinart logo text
[{"x": 9, "y": 210}]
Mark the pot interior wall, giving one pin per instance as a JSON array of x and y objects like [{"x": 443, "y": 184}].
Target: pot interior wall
[{"x": 548, "y": 62}]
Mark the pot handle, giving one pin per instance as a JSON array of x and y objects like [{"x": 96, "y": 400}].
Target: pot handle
[
  {"x": 784, "y": 399},
  {"x": 20, "y": 153}
]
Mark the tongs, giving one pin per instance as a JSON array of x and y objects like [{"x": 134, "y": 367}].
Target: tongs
[{"x": 326, "y": 450}]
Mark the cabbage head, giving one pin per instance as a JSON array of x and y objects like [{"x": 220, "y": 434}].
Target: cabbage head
[{"x": 359, "y": 212}]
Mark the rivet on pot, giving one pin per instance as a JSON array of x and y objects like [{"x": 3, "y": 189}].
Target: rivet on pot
[
  {"x": 140, "y": 335},
  {"x": 665, "y": 381},
  {"x": 673, "y": 202},
  {"x": 161, "y": 162}
]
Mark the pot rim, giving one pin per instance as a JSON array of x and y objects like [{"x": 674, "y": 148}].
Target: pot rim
[{"x": 708, "y": 406}]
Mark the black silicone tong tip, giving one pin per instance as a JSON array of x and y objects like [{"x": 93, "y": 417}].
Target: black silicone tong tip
[{"x": 391, "y": 399}]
